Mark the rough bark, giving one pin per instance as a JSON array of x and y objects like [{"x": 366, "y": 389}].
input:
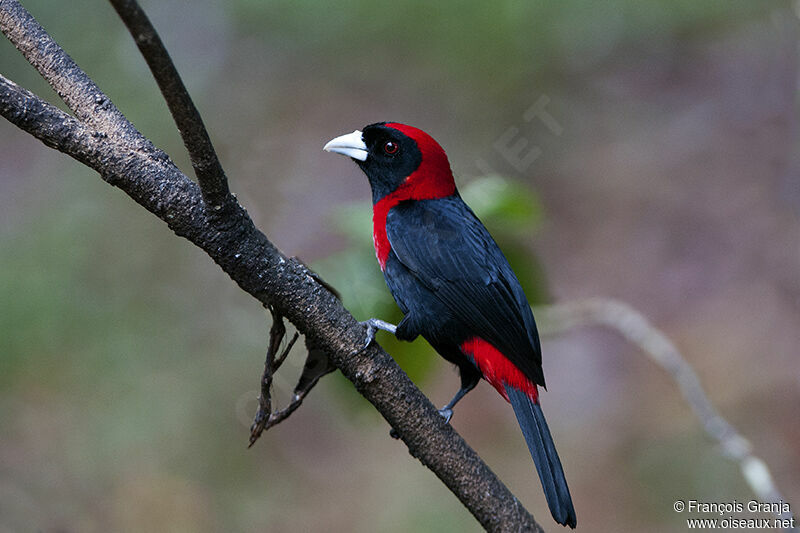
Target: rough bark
[{"x": 100, "y": 137}]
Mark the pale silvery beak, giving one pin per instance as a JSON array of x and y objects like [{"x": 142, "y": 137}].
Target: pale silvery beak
[{"x": 351, "y": 145}]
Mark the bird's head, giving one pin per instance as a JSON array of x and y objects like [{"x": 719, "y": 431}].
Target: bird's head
[{"x": 398, "y": 159}]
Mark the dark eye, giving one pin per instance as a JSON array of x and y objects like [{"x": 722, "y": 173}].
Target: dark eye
[{"x": 391, "y": 147}]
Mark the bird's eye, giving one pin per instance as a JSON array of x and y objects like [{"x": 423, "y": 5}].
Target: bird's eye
[{"x": 391, "y": 147}]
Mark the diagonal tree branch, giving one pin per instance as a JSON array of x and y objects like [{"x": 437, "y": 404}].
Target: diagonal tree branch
[
  {"x": 127, "y": 160},
  {"x": 207, "y": 168},
  {"x": 77, "y": 90},
  {"x": 49, "y": 124}
]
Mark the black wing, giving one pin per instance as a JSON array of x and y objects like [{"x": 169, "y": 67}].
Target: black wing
[{"x": 444, "y": 245}]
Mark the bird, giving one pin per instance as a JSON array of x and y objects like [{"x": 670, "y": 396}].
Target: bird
[{"x": 453, "y": 284}]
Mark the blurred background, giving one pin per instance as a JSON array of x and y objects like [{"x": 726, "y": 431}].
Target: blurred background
[{"x": 640, "y": 150}]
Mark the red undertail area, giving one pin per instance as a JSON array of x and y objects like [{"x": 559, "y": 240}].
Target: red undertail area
[{"x": 497, "y": 369}]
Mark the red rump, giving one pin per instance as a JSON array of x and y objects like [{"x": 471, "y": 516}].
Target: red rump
[
  {"x": 497, "y": 369},
  {"x": 432, "y": 179}
]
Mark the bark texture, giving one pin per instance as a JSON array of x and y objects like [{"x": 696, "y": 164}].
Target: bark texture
[{"x": 100, "y": 137}]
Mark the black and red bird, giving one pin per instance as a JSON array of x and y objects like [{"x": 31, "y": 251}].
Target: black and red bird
[{"x": 453, "y": 284}]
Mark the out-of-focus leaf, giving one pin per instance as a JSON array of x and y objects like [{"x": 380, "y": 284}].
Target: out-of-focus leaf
[
  {"x": 354, "y": 221},
  {"x": 501, "y": 202}
]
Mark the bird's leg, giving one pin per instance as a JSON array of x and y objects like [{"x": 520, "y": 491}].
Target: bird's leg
[
  {"x": 469, "y": 379},
  {"x": 373, "y": 325},
  {"x": 467, "y": 384},
  {"x": 447, "y": 410}
]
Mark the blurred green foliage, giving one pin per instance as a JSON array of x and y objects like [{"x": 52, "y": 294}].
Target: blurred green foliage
[
  {"x": 127, "y": 359},
  {"x": 511, "y": 212}
]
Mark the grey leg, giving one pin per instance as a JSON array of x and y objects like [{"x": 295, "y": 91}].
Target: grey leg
[{"x": 447, "y": 410}]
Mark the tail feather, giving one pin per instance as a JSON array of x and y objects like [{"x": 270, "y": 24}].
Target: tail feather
[{"x": 548, "y": 465}]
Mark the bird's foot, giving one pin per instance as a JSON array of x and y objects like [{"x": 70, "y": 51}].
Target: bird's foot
[{"x": 373, "y": 325}]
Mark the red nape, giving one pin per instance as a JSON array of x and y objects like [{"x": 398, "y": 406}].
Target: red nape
[
  {"x": 497, "y": 369},
  {"x": 432, "y": 179}
]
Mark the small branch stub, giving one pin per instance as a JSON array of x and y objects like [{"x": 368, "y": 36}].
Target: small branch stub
[{"x": 317, "y": 364}]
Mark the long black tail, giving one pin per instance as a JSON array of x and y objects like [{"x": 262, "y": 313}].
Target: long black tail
[{"x": 548, "y": 465}]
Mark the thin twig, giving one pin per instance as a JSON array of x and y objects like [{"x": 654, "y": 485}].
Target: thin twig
[
  {"x": 282, "y": 357},
  {"x": 635, "y": 328},
  {"x": 206, "y": 164},
  {"x": 265, "y": 417},
  {"x": 264, "y": 411},
  {"x": 317, "y": 365},
  {"x": 279, "y": 416},
  {"x": 276, "y": 333}
]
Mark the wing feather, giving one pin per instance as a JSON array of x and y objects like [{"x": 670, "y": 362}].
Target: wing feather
[{"x": 444, "y": 245}]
